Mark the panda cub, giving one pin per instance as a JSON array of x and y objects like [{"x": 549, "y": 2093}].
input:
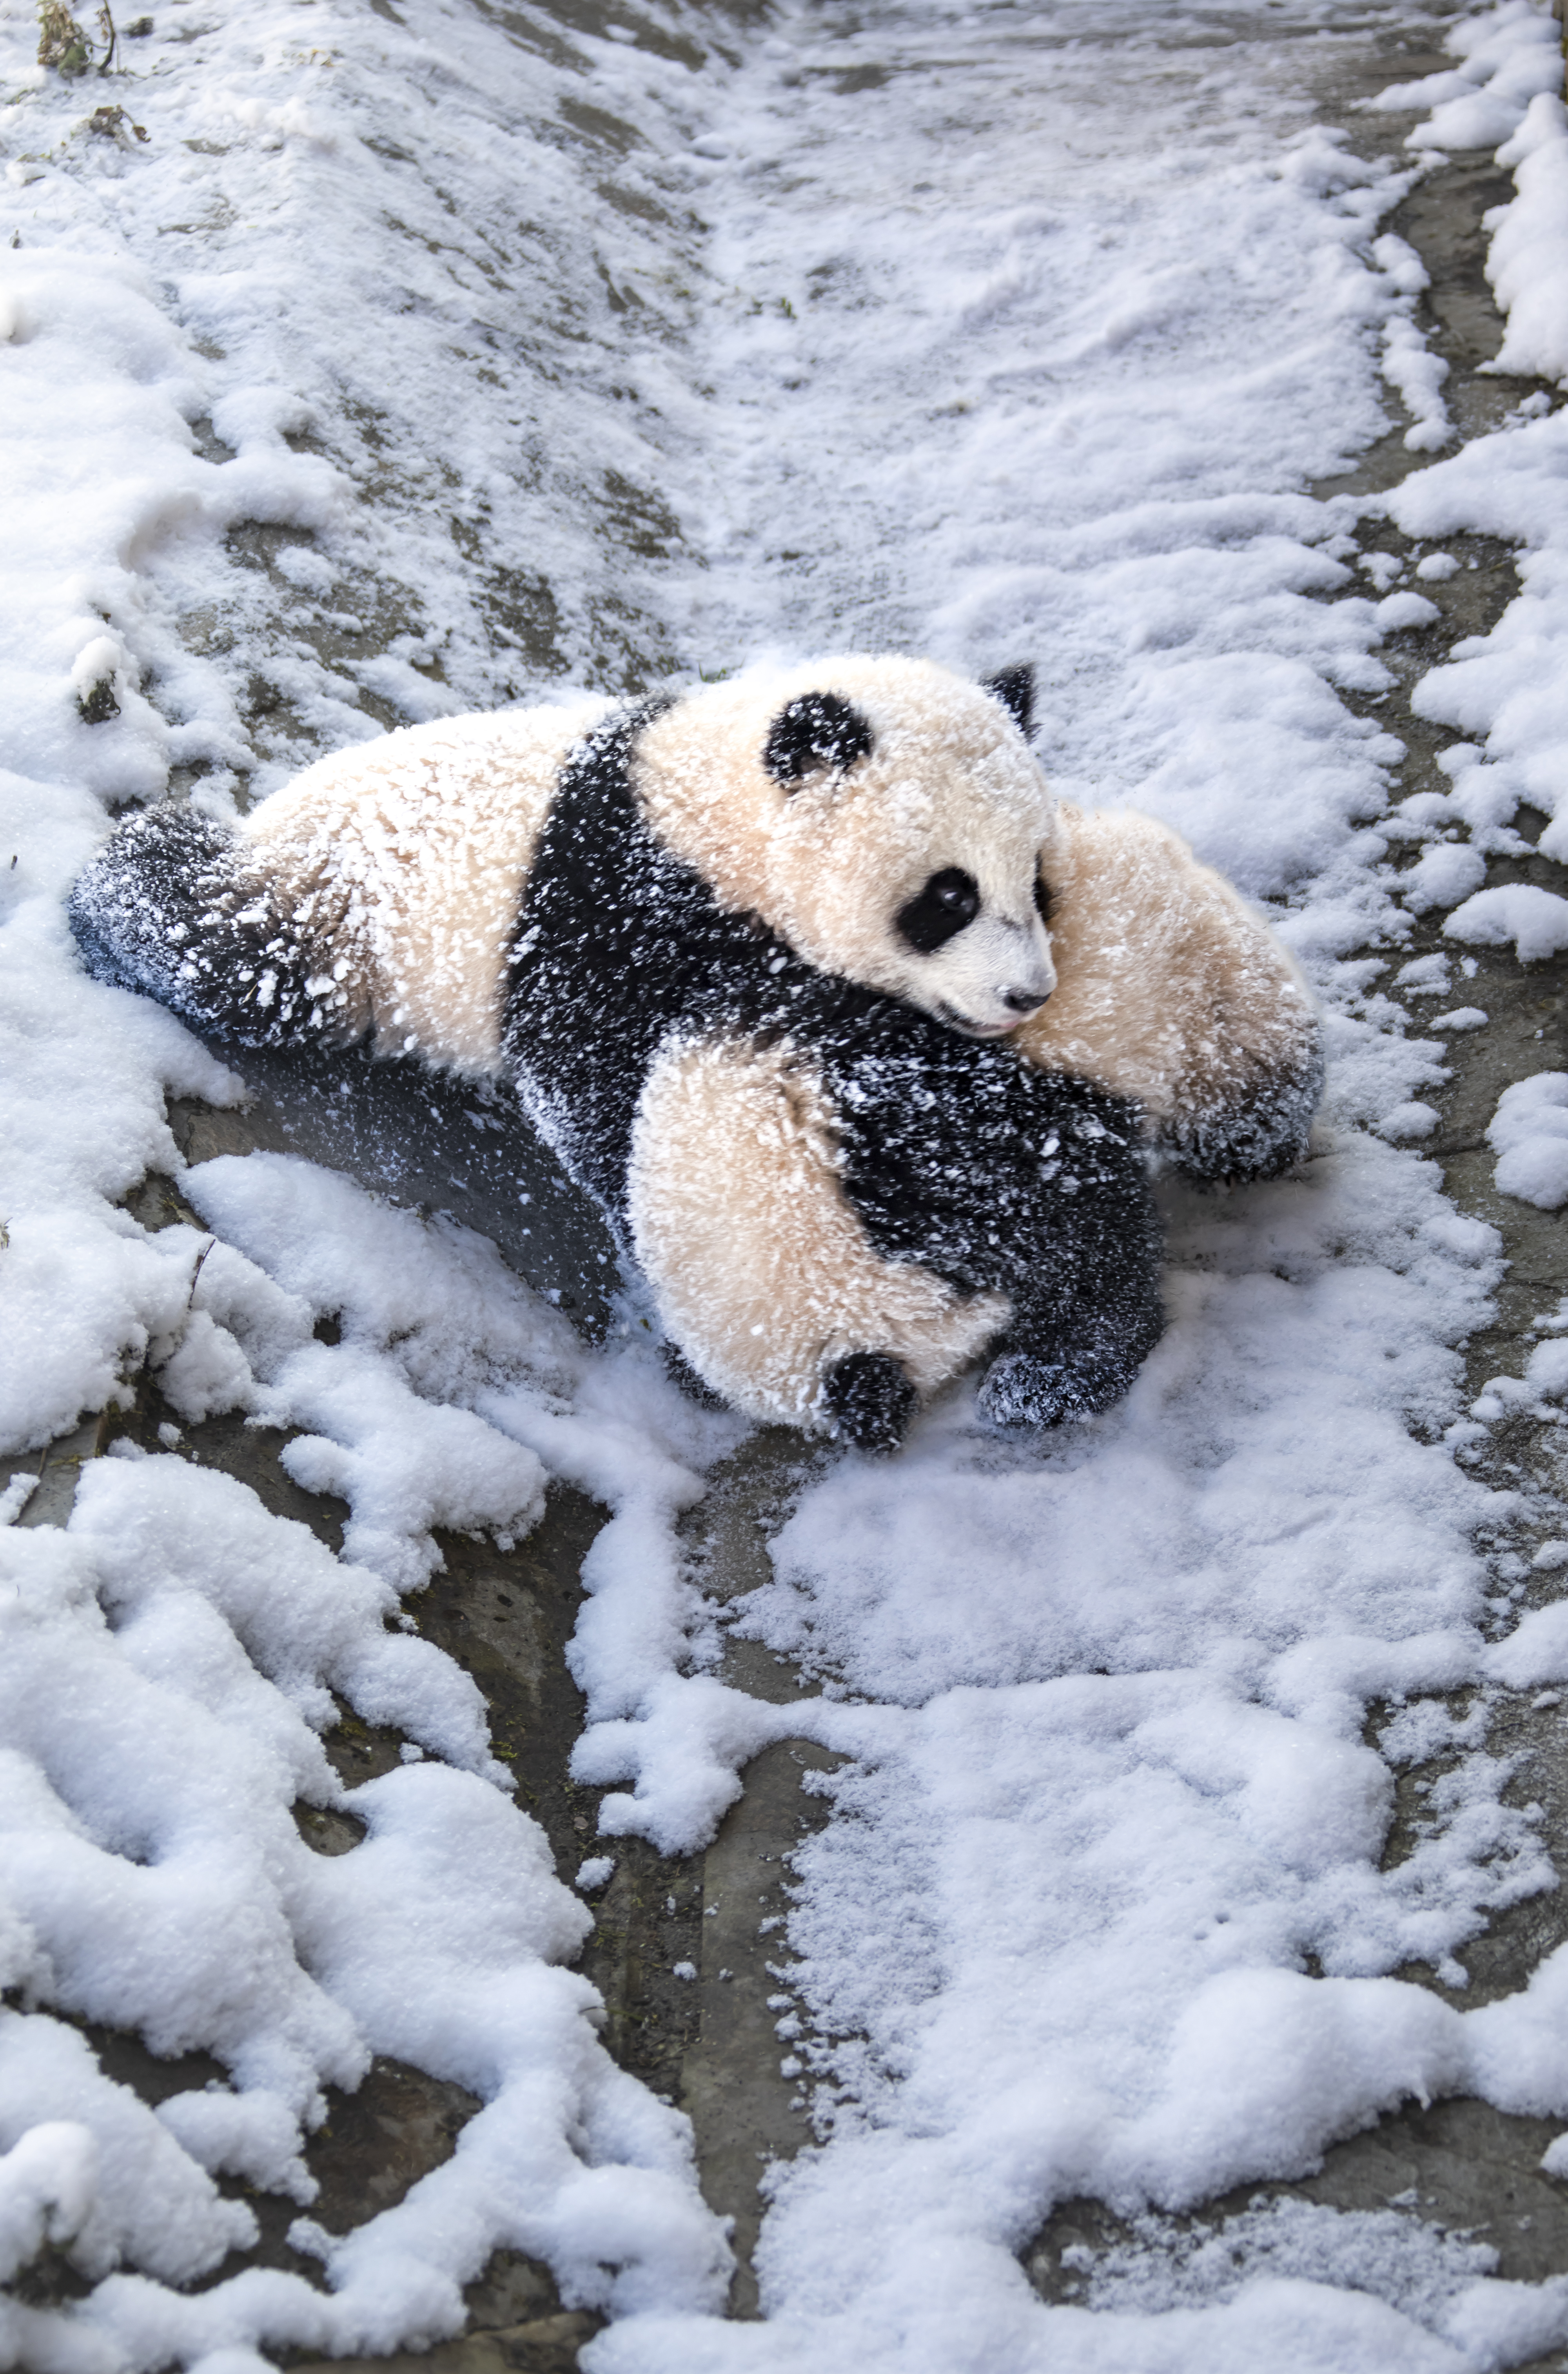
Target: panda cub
[{"x": 750, "y": 958}]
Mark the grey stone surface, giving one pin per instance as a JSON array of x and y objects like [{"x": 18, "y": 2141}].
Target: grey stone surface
[
  {"x": 57, "y": 1469},
  {"x": 745, "y": 2110}
]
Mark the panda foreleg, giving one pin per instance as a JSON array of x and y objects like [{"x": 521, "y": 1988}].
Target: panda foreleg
[
  {"x": 1252, "y": 1127},
  {"x": 762, "y": 1270},
  {"x": 870, "y": 1398},
  {"x": 1171, "y": 990},
  {"x": 1076, "y": 1343}
]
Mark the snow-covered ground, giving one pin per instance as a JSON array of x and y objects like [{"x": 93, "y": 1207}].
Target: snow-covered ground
[{"x": 552, "y": 349}]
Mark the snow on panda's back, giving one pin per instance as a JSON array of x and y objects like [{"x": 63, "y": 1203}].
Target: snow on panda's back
[{"x": 883, "y": 816}]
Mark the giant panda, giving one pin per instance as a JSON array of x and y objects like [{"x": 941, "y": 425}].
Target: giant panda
[{"x": 756, "y": 960}]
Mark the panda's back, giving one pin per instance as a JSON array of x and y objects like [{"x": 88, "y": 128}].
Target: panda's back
[{"x": 415, "y": 851}]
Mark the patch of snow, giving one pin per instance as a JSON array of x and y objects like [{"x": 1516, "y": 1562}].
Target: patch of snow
[
  {"x": 1506, "y": 688},
  {"x": 1517, "y": 914},
  {"x": 1527, "y": 266},
  {"x": 1529, "y": 1135},
  {"x": 1423, "y": 977},
  {"x": 1510, "y": 54},
  {"x": 1442, "y": 875},
  {"x": 1408, "y": 1122},
  {"x": 1398, "y": 611},
  {"x": 1413, "y": 2266},
  {"x": 16, "y": 1496}
]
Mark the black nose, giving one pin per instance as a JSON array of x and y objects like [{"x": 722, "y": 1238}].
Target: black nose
[{"x": 1022, "y": 1001}]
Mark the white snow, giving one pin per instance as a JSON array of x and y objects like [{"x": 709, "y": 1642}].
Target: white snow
[
  {"x": 989, "y": 335},
  {"x": 1527, "y": 266},
  {"x": 1510, "y": 54},
  {"x": 1442, "y": 875},
  {"x": 1505, "y": 690},
  {"x": 1516, "y": 915},
  {"x": 1529, "y": 1135}
]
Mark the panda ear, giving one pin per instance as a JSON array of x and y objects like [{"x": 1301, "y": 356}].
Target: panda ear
[
  {"x": 819, "y": 729},
  {"x": 1014, "y": 688}
]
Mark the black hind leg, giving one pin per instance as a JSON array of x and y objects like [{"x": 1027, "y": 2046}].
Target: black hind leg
[
  {"x": 167, "y": 907},
  {"x": 870, "y": 1400},
  {"x": 1022, "y": 1389}
]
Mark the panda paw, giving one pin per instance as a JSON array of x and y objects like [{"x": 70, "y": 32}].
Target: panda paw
[
  {"x": 870, "y": 1400},
  {"x": 1022, "y": 1390}
]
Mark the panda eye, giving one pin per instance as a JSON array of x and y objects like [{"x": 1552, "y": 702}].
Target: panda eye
[
  {"x": 939, "y": 912},
  {"x": 1042, "y": 898}
]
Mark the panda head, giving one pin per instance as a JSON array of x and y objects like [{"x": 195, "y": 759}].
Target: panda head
[{"x": 886, "y": 818}]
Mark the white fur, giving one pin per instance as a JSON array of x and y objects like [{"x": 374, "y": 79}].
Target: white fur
[
  {"x": 407, "y": 859},
  {"x": 766, "y": 1276},
  {"x": 1174, "y": 991},
  {"x": 948, "y": 781}
]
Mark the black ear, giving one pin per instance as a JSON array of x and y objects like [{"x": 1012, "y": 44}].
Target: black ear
[
  {"x": 819, "y": 729},
  {"x": 1015, "y": 689}
]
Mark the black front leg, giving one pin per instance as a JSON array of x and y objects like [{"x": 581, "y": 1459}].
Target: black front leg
[
  {"x": 1073, "y": 1351},
  {"x": 870, "y": 1400}
]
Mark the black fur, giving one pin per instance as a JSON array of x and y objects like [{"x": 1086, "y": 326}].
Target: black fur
[
  {"x": 958, "y": 1155},
  {"x": 1259, "y": 1135},
  {"x": 1014, "y": 688},
  {"x": 163, "y": 907},
  {"x": 940, "y": 912},
  {"x": 870, "y": 1400},
  {"x": 819, "y": 729}
]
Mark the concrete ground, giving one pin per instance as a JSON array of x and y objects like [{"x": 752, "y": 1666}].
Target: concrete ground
[{"x": 711, "y": 2044}]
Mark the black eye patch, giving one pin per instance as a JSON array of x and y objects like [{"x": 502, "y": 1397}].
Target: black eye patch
[
  {"x": 819, "y": 729},
  {"x": 1042, "y": 898},
  {"x": 939, "y": 912}
]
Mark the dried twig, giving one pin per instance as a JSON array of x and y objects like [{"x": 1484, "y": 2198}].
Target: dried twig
[
  {"x": 112, "y": 123},
  {"x": 61, "y": 41},
  {"x": 196, "y": 1273}
]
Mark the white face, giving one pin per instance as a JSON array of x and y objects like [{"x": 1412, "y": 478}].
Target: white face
[
  {"x": 976, "y": 956},
  {"x": 907, "y": 849},
  {"x": 884, "y": 817}
]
